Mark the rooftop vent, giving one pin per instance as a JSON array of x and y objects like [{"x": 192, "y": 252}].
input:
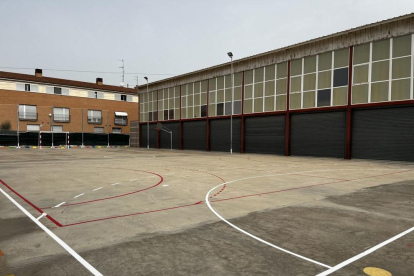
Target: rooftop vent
[{"x": 99, "y": 81}]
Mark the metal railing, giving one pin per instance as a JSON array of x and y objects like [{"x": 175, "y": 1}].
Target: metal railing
[
  {"x": 121, "y": 121},
  {"x": 59, "y": 118},
  {"x": 94, "y": 120},
  {"x": 27, "y": 116}
]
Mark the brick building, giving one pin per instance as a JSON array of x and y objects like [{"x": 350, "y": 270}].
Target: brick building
[{"x": 36, "y": 103}]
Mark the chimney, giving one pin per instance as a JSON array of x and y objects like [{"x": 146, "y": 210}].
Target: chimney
[
  {"x": 99, "y": 81},
  {"x": 38, "y": 72}
]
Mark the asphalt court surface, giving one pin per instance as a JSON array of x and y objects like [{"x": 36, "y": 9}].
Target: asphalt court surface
[{"x": 133, "y": 211}]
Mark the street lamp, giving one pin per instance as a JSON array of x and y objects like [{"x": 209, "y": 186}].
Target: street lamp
[
  {"x": 230, "y": 54},
  {"x": 147, "y": 114},
  {"x": 51, "y": 126}
]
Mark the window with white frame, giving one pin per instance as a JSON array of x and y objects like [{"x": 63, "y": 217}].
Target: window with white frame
[
  {"x": 27, "y": 112},
  {"x": 95, "y": 116},
  {"x": 28, "y": 87},
  {"x": 57, "y": 90},
  {"x": 95, "y": 95},
  {"x": 61, "y": 114},
  {"x": 57, "y": 128},
  {"x": 98, "y": 130},
  {"x": 319, "y": 80},
  {"x": 121, "y": 118},
  {"x": 116, "y": 130},
  {"x": 383, "y": 70},
  {"x": 34, "y": 128}
]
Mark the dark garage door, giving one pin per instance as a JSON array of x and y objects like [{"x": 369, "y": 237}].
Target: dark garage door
[
  {"x": 318, "y": 134},
  {"x": 165, "y": 137},
  {"x": 152, "y": 135},
  {"x": 386, "y": 133},
  {"x": 220, "y": 135},
  {"x": 195, "y": 135},
  {"x": 265, "y": 134}
]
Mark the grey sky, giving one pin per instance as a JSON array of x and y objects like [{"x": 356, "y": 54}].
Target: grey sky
[{"x": 172, "y": 37}]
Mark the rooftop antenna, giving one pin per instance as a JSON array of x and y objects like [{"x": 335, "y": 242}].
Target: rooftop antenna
[{"x": 123, "y": 71}]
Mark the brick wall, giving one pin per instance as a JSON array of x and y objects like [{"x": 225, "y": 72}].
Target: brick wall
[{"x": 9, "y": 101}]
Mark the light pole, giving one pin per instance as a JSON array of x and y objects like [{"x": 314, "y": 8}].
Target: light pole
[
  {"x": 230, "y": 54},
  {"x": 51, "y": 126},
  {"x": 147, "y": 114}
]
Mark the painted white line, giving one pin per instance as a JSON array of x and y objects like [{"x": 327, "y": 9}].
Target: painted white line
[
  {"x": 41, "y": 216},
  {"x": 165, "y": 185},
  {"x": 56, "y": 238},
  {"x": 279, "y": 174},
  {"x": 116, "y": 183},
  {"x": 59, "y": 205},
  {"x": 97, "y": 189},
  {"x": 369, "y": 251},
  {"x": 133, "y": 179},
  {"x": 253, "y": 236},
  {"x": 79, "y": 195}
]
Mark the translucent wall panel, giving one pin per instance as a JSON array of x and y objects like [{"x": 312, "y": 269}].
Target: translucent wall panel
[
  {"x": 379, "y": 92},
  {"x": 281, "y": 102},
  {"x": 361, "y": 54},
  {"x": 400, "y": 89},
  {"x": 325, "y": 61},
  {"x": 309, "y": 64},
  {"x": 380, "y": 71},
  {"x": 295, "y": 100},
  {"x": 360, "y": 94},
  {"x": 296, "y": 67},
  {"x": 401, "y": 68},
  {"x": 401, "y": 46},
  {"x": 341, "y": 58},
  {"x": 381, "y": 50},
  {"x": 309, "y": 82},
  {"x": 281, "y": 70},
  {"x": 340, "y": 96},
  {"x": 308, "y": 99},
  {"x": 270, "y": 72},
  {"x": 281, "y": 86}
]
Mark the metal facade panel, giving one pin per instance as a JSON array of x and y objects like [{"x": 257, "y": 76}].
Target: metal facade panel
[
  {"x": 265, "y": 134},
  {"x": 383, "y": 133},
  {"x": 220, "y": 135},
  {"x": 318, "y": 134},
  {"x": 165, "y": 137},
  {"x": 195, "y": 135},
  {"x": 152, "y": 135}
]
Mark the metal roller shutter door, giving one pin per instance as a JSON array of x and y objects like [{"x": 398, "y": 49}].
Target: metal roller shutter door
[
  {"x": 165, "y": 137},
  {"x": 195, "y": 135},
  {"x": 220, "y": 135},
  {"x": 318, "y": 134},
  {"x": 385, "y": 133},
  {"x": 265, "y": 134},
  {"x": 152, "y": 136}
]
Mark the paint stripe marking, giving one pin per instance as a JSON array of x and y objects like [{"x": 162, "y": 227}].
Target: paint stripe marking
[
  {"x": 79, "y": 195},
  {"x": 363, "y": 254},
  {"x": 97, "y": 189},
  {"x": 41, "y": 216},
  {"x": 56, "y": 238},
  {"x": 133, "y": 179},
  {"x": 59, "y": 205},
  {"x": 116, "y": 183},
  {"x": 253, "y": 236}
]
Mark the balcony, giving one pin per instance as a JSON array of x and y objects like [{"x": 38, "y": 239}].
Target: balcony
[
  {"x": 121, "y": 120},
  {"x": 59, "y": 118},
  {"x": 27, "y": 116},
  {"x": 94, "y": 120}
]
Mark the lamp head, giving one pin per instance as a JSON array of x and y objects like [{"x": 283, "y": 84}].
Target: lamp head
[
  {"x": 146, "y": 78},
  {"x": 230, "y": 54}
]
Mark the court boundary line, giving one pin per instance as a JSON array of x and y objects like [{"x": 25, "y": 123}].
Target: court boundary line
[
  {"x": 365, "y": 253},
  {"x": 58, "y": 224},
  {"x": 72, "y": 252},
  {"x": 331, "y": 269}
]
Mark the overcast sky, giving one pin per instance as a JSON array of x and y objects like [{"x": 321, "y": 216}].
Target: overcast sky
[{"x": 166, "y": 37}]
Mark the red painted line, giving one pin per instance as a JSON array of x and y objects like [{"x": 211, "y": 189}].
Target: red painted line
[
  {"x": 317, "y": 176},
  {"x": 31, "y": 204},
  {"x": 134, "y": 214},
  {"x": 117, "y": 196},
  {"x": 198, "y": 203},
  {"x": 308, "y": 186}
]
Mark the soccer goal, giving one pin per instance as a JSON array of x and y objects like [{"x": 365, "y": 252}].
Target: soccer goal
[{"x": 56, "y": 139}]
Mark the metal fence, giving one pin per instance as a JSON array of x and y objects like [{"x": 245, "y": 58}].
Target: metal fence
[{"x": 78, "y": 127}]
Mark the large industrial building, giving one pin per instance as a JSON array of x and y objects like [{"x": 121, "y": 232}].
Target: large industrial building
[
  {"x": 345, "y": 95},
  {"x": 31, "y": 104}
]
